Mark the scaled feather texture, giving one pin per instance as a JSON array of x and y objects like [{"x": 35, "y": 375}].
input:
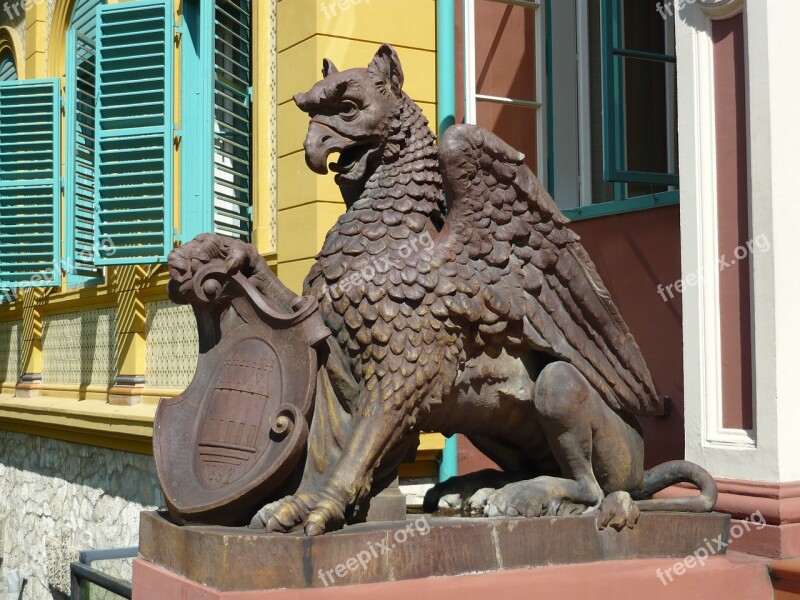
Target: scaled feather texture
[{"x": 412, "y": 287}]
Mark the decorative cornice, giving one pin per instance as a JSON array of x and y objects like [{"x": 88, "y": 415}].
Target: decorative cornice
[
  {"x": 721, "y": 9},
  {"x": 96, "y": 423}
]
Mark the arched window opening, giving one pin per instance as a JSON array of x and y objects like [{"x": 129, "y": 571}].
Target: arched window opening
[{"x": 8, "y": 68}]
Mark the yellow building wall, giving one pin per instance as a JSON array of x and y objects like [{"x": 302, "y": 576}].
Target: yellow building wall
[
  {"x": 306, "y": 31},
  {"x": 131, "y": 288},
  {"x": 348, "y": 32}
]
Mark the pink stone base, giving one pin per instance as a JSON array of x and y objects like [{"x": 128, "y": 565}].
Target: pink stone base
[
  {"x": 733, "y": 576},
  {"x": 776, "y": 504}
]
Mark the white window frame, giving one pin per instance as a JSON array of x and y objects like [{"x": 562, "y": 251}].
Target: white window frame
[{"x": 472, "y": 97}]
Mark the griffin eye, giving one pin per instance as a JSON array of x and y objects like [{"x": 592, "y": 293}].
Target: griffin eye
[{"x": 349, "y": 110}]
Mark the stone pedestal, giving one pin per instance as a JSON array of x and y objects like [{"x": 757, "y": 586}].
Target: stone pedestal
[
  {"x": 228, "y": 562},
  {"x": 721, "y": 578}
]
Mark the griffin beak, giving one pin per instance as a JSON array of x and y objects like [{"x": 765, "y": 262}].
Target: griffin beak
[{"x": 320, "y": 142}]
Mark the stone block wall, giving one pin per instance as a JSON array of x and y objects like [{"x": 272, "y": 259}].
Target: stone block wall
[{"x": 59, "y": 497}]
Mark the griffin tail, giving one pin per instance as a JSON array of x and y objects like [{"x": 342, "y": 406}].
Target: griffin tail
[{"x": 670, "y": 473}]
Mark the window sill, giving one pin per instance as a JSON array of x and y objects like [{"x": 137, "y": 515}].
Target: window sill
[
  {"x": 90, "y": 422},
  {"x": 618, "y": 207},
  {"x": 129, "y": 428}
]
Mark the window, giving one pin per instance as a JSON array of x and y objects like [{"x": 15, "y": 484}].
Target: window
[
  {"x": 80, "y": 144},
  {"x": 120, "y": 136},
  {"x": 599, "y": 76},
  {"x": 8, "y": 69},
  {"x": 216, "y": 107},
  {"x": 30, "y": 183},
  {"x": 638, "y": 81},
  {"x": 503, "y": 83}
]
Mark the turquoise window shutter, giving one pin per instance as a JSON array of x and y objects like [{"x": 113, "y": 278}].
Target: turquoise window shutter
[
  {"x": 84, "y": 17},
  {"x": 79, "y": 191},
  {"x": 134, "y": 132},
  {"x": 216, "y": 128},
  {"x": 8, "y": 70},
  {"x": 30, "y": 183},
  {"x": 80, "y": 245}
]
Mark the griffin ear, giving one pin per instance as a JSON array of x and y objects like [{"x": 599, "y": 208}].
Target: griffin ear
[
  {"x": 328, "y": 68},
  {"x": 385, "y": 67}
]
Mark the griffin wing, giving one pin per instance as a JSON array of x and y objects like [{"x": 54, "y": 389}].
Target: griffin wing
[{"x": 511, "y": 266}]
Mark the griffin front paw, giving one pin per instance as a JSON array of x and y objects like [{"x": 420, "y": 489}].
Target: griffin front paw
[
  {"x": 317, "y": 513},
  {"x": 284, "y": 515},
  {"x": 328, "y": 515}
]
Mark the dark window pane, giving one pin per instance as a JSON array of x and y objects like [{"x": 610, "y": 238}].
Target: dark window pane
[
  {"x": 649, "y": 117},
  {"x": 644, "y": 28}
]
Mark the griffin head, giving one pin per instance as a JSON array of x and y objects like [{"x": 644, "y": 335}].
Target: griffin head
[{"x": 354, "y": 113}]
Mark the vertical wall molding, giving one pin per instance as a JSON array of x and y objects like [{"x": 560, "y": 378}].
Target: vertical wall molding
[
  {"x": 35, "y": 31},
  {"x": 769, "y": 452},
  {"x": 265, "y": 125},
  {"x": 31, "y": 363},
  {"x": 707, "y": 442}
]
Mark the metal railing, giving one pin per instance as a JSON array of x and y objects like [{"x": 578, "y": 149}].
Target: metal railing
[{"x": 82, "y": 571}]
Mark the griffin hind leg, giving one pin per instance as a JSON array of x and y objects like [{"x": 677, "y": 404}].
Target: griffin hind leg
[
  {"x": 598, "y": 451},
  {"x": 468, "y": 493}
]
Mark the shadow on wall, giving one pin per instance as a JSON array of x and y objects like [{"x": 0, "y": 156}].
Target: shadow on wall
[{"x": 80, "y": 348}]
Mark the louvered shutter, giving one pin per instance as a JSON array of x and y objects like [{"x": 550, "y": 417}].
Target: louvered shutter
[
  {"x": 80, "y": 172},
  {"x": 84, "y": 17},
  {"x": 232, "y": 112},
  {"x": 216, "y": 118},
  {"x": 134, "y": 137},
  {"x": 30, "y": 183}
]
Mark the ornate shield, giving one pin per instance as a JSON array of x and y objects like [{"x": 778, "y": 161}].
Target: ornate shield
[{"x": 235, "y": 437}]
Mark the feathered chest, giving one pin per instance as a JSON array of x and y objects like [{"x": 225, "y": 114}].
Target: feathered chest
[{"x": 373, "y": 261}]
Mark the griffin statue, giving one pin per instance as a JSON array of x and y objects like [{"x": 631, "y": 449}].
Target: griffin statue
[{"x": 457, "y": 300}]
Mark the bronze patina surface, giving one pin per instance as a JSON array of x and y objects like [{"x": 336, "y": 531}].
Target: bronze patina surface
[
  {"x": 455, "y": 298},
  {"x": 229, "y": 559},
  {"x": 243, "y": 418}
]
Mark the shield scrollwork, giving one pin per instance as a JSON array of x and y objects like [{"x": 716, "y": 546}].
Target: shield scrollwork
[{"x": 234, "y": 438}]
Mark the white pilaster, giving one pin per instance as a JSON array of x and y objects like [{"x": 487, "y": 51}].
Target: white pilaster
[{"x": 770, "y": 451}]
